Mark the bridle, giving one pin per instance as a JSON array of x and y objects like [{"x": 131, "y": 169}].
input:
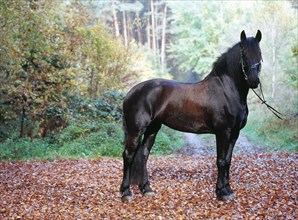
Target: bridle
[
  {"x": 253, "y": 66},
  {"x": 261, "y": 97}
]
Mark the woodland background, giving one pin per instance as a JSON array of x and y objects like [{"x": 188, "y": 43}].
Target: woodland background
[{"x": 65, "y": 67}]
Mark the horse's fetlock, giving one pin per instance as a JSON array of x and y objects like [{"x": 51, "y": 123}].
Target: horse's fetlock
[{"x": 124, "y": 189}]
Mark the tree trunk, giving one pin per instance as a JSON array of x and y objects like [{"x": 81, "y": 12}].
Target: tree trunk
[
  {"x": 23, "y": 115},
  {"x": 273, "y": 79},
  {"x": 125, "y": 29},
  {"x": 153, "y": 27},
  {"x": 148, "y": 32},
  {"x": 23, "y": 121},
  {"x": 140, "y": 35},
  {"x": 163, "y": 38},
  {"x": 130, "y": 28},
  {"x": 91, "y": 84},
  {"x": 116, "y": 25}
]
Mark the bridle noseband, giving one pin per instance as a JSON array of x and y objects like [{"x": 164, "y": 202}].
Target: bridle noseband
[{"x": 253, "y": 66}]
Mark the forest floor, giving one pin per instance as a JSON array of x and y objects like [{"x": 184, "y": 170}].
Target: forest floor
[{"x": 265, "y": 184}]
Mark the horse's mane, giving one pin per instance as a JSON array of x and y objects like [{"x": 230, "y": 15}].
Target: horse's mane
[{"x": 227, "y": 63}]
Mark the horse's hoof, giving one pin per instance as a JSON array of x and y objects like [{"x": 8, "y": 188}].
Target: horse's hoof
[
  {"x": 126, "y": 198},
  {"x": 149, "y": 194},
  {"x": 227, "y": 197}
]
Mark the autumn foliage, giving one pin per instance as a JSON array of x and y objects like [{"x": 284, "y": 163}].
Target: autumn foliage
[{"x": 265, "y": 185}]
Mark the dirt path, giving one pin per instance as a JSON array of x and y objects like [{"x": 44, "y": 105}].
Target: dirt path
[{"x": 204, "y": 145}]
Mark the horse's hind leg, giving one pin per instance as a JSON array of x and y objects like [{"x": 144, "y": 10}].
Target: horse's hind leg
[
  {"x": 132, "y": 142},
  {"x": 147, "y": 143}
]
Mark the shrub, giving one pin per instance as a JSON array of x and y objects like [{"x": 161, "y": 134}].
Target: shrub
[
  {"x": 94, "y": 130},
  {"x": 167, "y": 141},
  {"x": 26, "y": 149},
  {"x": 108, "y": 107}
]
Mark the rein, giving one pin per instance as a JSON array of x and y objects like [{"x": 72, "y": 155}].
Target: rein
[{"x": 262, "y": 98}]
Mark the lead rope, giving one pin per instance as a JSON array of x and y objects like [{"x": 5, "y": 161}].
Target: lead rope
[{"x": 262, "y": 98}]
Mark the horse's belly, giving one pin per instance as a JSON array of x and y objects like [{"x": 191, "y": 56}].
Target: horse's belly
[{"x": 185, "y": 124}]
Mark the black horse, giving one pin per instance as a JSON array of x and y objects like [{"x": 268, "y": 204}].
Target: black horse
[{"x": 217, "y": 105}]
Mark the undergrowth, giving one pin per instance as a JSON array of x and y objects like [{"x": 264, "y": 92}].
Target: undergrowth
[
  {"x": 269, "y": 131},
  {"x": 83, "y": 140}
]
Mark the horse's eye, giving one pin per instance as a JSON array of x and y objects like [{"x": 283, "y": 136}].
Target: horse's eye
[
  {"x": 259, "y": 66},
  {"x": 256, "y": 66}
]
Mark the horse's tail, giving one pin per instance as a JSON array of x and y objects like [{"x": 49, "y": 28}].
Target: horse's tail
[
  {"x": 137, "y": 166},
  {"x": 137, "y": 169}
]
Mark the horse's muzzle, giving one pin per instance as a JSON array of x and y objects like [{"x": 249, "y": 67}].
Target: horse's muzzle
[{"x": 253, "y": 83}]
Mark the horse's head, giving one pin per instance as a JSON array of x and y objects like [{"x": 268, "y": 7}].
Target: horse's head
[{"x": 251, "y": 58}]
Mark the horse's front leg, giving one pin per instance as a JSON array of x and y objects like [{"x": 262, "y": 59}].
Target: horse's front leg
[{"x": 225, "y": 142}]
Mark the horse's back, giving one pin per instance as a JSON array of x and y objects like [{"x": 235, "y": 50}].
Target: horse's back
[
  {"x": 147, "y": 86},
  {"x": 156, "y": 91}
]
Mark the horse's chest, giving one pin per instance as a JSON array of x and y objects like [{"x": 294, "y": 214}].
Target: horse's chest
[
  {"x": 242, "y": 117},
  {"x": 230, "y": 116}
]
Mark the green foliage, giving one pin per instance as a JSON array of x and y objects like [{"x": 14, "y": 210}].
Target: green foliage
[
  {"x": 267, "y": 130},
  {"x": 167, "y": 142},
  {"x": 49, "y": 52},
  {"x": 107, "y": 107},
  {"x": 94, "y": 130},
  {"x": 83, "y": 140},
  {"x": 26, "y": 149},
  {"x": 197, "y": 35},
  {"x": 105, "y": 61},
  {"x": 91, "y": 140},
  {"x": 34, "y": 78}
]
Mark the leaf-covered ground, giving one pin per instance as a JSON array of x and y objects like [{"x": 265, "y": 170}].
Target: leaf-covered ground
[{"x": 266, "y": 186}]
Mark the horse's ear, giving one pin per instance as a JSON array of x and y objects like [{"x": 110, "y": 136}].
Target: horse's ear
[
  {"x": 258, "y": 36},
  {"x": 243, "y": 36}
]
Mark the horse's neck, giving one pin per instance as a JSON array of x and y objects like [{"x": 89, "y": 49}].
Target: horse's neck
[
  {"x": 242, "y": 88},
  {"x": 228, "y": 65},
  {"x": 244, "y": 94},
  {"x": 234, "y": 70},
  {"x": 238, "y": 83}
]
